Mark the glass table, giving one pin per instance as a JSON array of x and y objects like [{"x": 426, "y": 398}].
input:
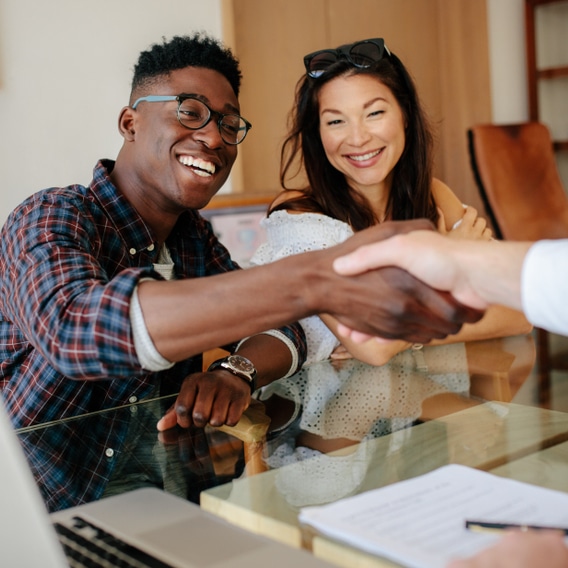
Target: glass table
[
  {"x": 341, "y": 429},
  {"x": 95, "y": 455},
  {"x": 332, "y": 430}
]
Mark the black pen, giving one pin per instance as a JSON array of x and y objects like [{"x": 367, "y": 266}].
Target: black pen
[{"x": 485, "y": 526}]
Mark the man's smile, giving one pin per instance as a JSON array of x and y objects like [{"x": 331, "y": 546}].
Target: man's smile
[{"x": 201, "y": 167}]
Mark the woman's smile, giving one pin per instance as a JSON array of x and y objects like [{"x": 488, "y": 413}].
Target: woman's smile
[{"x": 364, "y": 157}]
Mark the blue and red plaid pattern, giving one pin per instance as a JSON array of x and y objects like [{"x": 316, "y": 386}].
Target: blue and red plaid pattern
[{"x": 69, "y": 260}]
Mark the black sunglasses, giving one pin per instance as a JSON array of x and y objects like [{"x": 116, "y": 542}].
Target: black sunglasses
[{"x": 360, "y": 54}]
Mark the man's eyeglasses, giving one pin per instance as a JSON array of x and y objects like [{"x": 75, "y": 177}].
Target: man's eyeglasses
[
  {"x": 195, "y": 114},
  {"x": 360, "y": 54}
]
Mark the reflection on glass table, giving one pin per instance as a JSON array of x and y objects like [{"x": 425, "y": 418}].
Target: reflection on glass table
[
  {"x": 341, "y": 429},
  {"x": 85, "y": 458},
  {"x": 322, "y": 420},
  {"x": 327, "y": 409}
]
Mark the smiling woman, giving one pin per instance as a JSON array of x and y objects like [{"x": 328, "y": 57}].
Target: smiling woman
[
  {"x": 351, "y": 110},
  {"x": 359, "y": 128}
]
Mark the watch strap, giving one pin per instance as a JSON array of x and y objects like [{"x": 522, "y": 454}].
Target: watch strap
[{"x": 225, "y": 365}]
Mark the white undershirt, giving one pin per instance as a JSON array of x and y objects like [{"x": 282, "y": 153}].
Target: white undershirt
[{"x": 146, "y": 351}]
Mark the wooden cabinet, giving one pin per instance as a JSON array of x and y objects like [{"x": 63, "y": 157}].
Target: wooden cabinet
[{"x": 547, "y": 67}]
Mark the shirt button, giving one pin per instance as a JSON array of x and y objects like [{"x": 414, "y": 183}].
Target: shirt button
[
  {"x": 132, "y": 251},
  {"x": 151, "y": 247},
  {"x": 109, "y": 452},
  {"x": 133, "y": 399}
]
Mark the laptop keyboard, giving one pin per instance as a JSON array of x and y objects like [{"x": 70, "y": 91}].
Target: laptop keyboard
[{"x": 89, "y": 546}]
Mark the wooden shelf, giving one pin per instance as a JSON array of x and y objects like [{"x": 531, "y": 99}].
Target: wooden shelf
[
  {"x": 240, "y": 200},
  {"x": 561, "y": 145},
  {"x": 552, "y": 72},
  {"x": 535, "y": 74}
]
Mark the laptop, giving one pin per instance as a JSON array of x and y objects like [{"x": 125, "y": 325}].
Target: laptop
[{"x": 157, "y": 528}]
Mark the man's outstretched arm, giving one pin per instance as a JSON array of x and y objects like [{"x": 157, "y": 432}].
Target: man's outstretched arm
[
  {"x": 525, "y": 276},
  {"x": 185, "y": 317}
]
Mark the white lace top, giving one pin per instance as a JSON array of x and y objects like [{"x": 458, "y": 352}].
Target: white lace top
[
  {"x": 351, "y": 399},
  {"x": 359, "y": 402},
  {"x": 288, "y": 234}
]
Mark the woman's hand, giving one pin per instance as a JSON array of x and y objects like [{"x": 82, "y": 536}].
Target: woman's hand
[
  {"x": 470, "y": 226},
  {"x": 340, "y": 353}
]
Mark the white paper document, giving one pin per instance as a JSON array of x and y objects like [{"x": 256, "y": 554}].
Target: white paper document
[{"x": 420, "y": 523}]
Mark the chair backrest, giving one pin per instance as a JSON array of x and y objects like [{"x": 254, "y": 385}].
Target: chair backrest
[{"x": 516, "y": 172}]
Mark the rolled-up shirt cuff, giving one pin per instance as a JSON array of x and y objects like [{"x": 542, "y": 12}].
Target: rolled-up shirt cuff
[
  {"x": 149, "y": 357},
  {"x": 287, "y": 341}
]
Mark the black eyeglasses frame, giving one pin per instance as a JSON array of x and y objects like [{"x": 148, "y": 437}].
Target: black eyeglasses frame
[{"x": 183, "y": 97}]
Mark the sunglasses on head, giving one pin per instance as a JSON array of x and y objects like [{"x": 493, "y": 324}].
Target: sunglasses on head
[{"x": 360, "y": 54}]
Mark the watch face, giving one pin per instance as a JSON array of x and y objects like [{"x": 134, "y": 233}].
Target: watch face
[{"x": 241, "y": 363}]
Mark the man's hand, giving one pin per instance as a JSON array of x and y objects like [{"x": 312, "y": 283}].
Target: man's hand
[
  {"x": 521, "y": 550},
  {"x": 214, "y": 397},
  {"x": 389, "y": 302},
  {"x": 476, "y": 273}
]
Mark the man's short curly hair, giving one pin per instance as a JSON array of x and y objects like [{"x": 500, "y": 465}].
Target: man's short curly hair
[{"x": 197, "y": 50}]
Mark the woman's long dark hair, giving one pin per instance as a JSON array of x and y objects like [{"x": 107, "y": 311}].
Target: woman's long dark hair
[{"x": 328, "y": 191}]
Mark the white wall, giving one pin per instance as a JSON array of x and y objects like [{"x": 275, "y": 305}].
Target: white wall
[
  {"x": 506, "y": 27},
  {"x": 506, "y": 23},
  {"x": 65, "y": 71}
]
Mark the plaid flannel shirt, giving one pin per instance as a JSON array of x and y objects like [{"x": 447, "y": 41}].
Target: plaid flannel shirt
[{"x": 70, "y": 259}]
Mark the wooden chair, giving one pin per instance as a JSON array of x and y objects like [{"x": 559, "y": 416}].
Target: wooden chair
[{"x": 515, "y": 170}]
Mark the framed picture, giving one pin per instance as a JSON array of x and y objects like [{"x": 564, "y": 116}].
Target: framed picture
[{"x": 238, "y": 228}]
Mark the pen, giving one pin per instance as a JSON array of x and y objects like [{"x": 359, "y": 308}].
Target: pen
[{"x": 485, "y": 526}]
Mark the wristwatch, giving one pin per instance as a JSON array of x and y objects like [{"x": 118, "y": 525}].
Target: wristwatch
[{"x": 238, "y": 365}]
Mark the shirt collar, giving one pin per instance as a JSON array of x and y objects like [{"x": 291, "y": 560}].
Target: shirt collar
[{"x": 136, "y": 234}]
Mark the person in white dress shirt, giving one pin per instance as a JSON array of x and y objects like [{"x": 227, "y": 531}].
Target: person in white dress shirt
[{"x": 359, "y": 129}]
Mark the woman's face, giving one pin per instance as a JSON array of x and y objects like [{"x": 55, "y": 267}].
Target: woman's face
[{"x": 362, "y": 129}]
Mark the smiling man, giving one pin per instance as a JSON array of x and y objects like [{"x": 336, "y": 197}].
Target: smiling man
[{"x": 110, "y": 292}]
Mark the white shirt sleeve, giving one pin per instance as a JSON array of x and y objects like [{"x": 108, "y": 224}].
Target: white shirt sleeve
[
  {"x": 149, "y": 357},
  {"x": 544, "y": 282}
]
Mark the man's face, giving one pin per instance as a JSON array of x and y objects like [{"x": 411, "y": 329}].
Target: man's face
[{"x": 176, "y": 168}]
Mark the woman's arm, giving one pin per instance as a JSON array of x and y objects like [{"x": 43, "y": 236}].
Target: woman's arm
[
  {"x": 498, "y": 321},
  {"x": 448, "y": 205}
]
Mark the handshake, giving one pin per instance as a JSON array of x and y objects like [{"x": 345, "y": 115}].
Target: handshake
[{"x": 428, "y": 285}]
